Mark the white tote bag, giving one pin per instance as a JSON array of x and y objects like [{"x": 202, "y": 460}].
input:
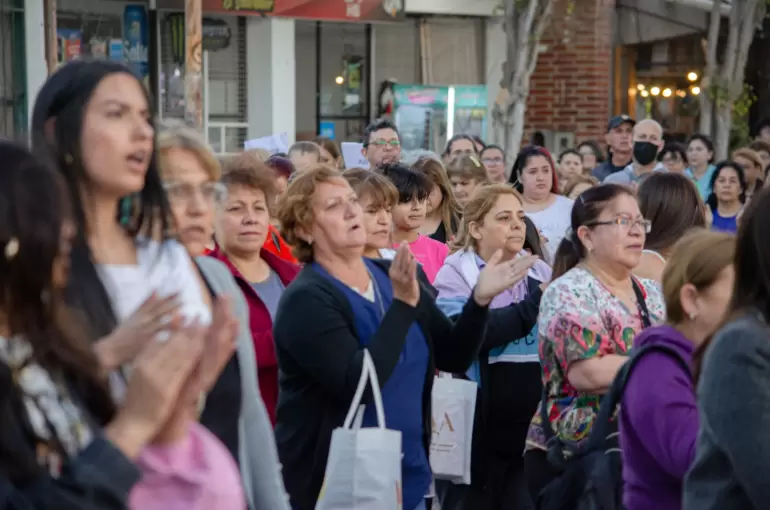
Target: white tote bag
[
  {"x": 363, "y": 471},
  {"x": 453, "y": 410}
]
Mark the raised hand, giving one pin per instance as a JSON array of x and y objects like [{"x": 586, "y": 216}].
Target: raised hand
[
  {"x": 158, "y": 376},
  {"x": 403, "y": 276},
  {"x": 499, "y": 275},
  {"x": 142, "y": 327}
]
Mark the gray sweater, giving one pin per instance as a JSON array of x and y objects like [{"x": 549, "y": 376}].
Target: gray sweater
[
  {"x": 260, "y": 468},
  {"x": 732, "y": 459}
]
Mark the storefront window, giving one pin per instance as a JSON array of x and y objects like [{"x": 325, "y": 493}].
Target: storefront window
[{"x": 343, "y": 80}]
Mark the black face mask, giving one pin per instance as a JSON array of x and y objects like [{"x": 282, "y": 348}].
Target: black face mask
[{"x": 645, "y": 152}]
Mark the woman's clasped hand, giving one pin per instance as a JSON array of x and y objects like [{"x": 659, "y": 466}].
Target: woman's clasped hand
[
  {"x": 498, "y": 275},
  {"x": 168, "y": 377}
]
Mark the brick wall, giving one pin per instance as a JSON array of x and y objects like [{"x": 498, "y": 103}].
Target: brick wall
[{"x": 570, "y": 88}]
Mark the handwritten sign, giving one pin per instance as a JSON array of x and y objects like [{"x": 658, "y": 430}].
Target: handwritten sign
[
  {"x": 272, "y": 144},
  {"x": 352, "y": 155}
]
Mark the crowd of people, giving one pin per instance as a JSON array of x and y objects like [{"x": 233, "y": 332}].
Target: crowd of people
[{"x": 181, "y": 331}]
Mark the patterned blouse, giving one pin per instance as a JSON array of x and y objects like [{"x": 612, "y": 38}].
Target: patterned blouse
[{"x": 579, "y": 319}]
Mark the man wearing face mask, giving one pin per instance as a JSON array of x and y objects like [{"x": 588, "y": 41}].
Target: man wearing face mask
[{"x": 648, "y": 141}]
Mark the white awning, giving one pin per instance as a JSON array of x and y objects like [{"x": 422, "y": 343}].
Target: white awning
[{"x": 706, "y": 5}]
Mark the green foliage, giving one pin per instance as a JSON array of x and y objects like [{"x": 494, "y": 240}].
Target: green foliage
[{"x": 740, "y": 134}]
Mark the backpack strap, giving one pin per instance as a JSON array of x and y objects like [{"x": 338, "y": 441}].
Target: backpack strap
[{"x": 602, "y": 424}]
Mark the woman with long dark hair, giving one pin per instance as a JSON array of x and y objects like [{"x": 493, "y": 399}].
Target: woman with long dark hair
[
  {"x": 731, "y": 457},
  {"x": 534, "y": 176},
  {"x": 93, "y": 119},
  {"x": 64, "y": 445},
  {"x": 672, "y": 204},
  {"x": 727, "y": 197}
]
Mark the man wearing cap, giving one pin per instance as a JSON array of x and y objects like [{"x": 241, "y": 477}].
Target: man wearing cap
[
  {"x": 618, "y": 138},
  {"x": 648, "y": 140}
]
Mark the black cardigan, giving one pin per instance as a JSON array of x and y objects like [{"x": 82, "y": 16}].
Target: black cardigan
[
  {"x": 98, "y": 478},
  {"x": 320, "y": 361}
]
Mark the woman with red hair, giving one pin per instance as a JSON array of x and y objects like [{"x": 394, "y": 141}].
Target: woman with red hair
[{"x": 534, "y": 176}]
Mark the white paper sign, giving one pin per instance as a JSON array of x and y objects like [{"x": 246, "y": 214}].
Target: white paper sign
[
  {"x": 272, "y": 144},
  {"x": 352, "y": 156}
]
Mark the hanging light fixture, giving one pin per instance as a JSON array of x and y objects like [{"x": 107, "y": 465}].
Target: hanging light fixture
[
  {"x": 640, "y": 86},
  {"x": 695, "y": 90},
  {"x": 692, "y": 76},
  {"x": 666, "y": 92},
  {"x": 655, "y": 91},
  {"x": 645, "y": 93},
  {"x": 339, "y": 80}
]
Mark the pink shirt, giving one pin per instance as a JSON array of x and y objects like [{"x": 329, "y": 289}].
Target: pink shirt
[
  {"x": 430, "y": 254},
  {"x": 197, "y": 473}
]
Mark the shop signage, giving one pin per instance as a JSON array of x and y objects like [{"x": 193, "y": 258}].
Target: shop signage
[
  {"x": 330, "y": 10},
  {"x": 216, "y": 34}
]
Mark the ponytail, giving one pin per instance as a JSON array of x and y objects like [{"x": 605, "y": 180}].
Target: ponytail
[{"x": 568, "y": 255}]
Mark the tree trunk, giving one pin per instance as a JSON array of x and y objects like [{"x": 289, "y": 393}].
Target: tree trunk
[
  {"x": 515, "y": 131},
  {"x": 707, "y": 80},
  {"x": 724, "y": 125},
  {"x": 524, "y": 23}
]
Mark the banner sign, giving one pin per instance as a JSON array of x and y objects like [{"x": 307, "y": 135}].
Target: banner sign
[{"x": 330, "y": 10}]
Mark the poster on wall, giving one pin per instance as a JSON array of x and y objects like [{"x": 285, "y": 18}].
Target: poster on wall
[
  {"x": 70, "y": 42},
  {"x": 136, "y": 39}
]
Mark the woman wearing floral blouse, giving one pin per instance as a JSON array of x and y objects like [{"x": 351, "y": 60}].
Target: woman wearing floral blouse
[{"x": 589, "y": 316}]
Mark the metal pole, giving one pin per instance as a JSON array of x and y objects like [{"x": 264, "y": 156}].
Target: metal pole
[{"x": 193, "y": 94}]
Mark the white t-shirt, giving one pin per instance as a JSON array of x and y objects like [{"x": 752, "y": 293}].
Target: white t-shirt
[
  {"x": 161, "y": 268},
  {"x": 553, "y": 222}
]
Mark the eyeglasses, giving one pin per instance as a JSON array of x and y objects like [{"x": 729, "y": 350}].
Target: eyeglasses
[
  {"x": 182, "y": 192},
  {"x": 383, "y": 143},
  {"x": 646, "y": 225}
]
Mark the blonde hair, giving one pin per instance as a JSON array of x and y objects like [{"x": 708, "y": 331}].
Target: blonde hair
[
  {"x": 697, "y": 259},
  {"x": 295, "y": 209},
  {"x": 576, "y": 180},
  {"x": 450, "y": 209},
  {"x": 752, "y": 156},
  {"x": 259, "y": 155},
  {"x": 179, "y": 136},
  {"x": 481, "y": 202},
  {"x": 467, "y": 166}
]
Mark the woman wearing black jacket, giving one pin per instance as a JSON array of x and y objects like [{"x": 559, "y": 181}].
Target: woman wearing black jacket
[
  {"x": 63, "y": 444},
  {"x": 340, "y": 304}
]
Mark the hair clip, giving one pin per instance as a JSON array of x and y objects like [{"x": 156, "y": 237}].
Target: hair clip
[
  {"x": 475, "y": 161},
  {"x": 11, "y": 248}
]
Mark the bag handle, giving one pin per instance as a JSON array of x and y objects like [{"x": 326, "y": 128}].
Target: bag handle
[
  {"x": 612, "y": 398},
  {"x": 368, "y": 373}
]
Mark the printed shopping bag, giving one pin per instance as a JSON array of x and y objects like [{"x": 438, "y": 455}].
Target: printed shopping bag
[
  {"x": 453, "y": 410},
  {"x": 363, "y": 470}
]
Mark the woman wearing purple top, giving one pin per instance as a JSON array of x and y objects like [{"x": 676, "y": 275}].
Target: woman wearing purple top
[{"x": 659, "y": 418}]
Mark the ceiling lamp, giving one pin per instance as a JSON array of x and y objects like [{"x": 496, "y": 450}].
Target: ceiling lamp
[
  {"x": 692, "y": 76},
  {"x": 640, "y": 86},
  {"x": 695, "y": 90},
  {"x": 645, "y": 93},
  {"x": 655, "y": 91},
  {"x": 339, "y": 80},
  {"x": 666, "y": 92}
]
